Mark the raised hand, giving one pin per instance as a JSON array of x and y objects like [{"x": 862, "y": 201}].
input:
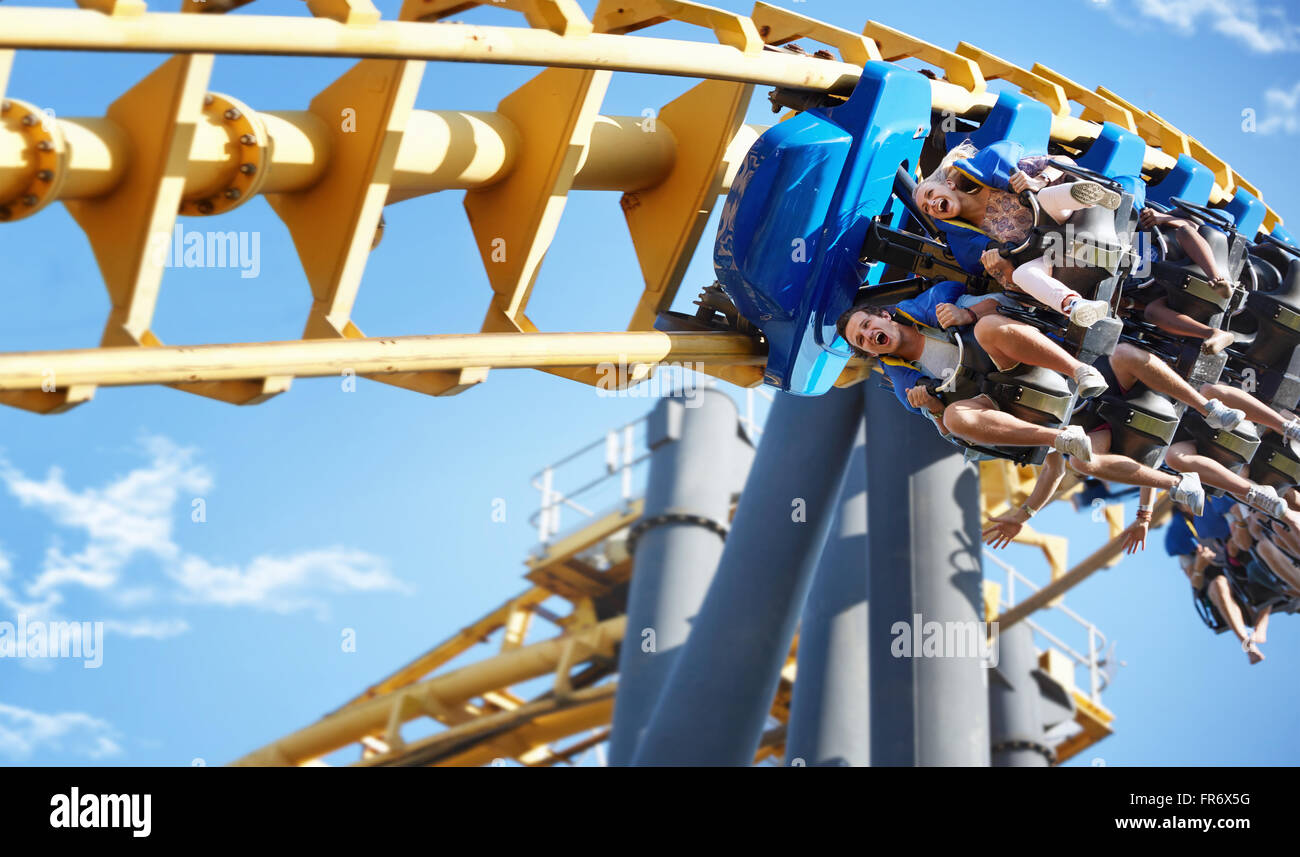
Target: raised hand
[{"x": 1002, "y": 530}]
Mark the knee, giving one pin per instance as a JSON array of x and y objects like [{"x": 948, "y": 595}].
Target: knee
[
  {"x": 1126, "y": 356},
  {"x": 1219, "y": 586},
  {"x": 956, "y": 419},
  {"x": 1211, "y": 391},
  {"x": 988, "y": 328},
  {"x": 1084, "y": 468}
]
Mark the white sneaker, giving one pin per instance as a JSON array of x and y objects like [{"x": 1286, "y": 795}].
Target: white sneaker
[
  {"x": 1089, "y": 382},
  {"x": 1220, "y": 416},
  {"x": 1073, "y": 440},
  {"x": 1087, "y": 313},
  {"x": 1091, "y": 193},
  {"x": 1265, "y": 499},
  {"x": 1190, "y": 493},
  {"x": 1291, "y": 431}
]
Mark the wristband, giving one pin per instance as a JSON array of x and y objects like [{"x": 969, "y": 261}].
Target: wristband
[{"x": 1028, "y": 510}]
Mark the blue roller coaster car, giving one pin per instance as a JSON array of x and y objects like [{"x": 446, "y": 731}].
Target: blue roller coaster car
[{"x": 794, "y": 223}]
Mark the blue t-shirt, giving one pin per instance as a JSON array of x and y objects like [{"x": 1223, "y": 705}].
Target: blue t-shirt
[{"x": 1211, "y": 524}]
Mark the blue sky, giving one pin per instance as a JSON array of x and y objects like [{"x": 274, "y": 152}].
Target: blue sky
[{"x": 371, "y": 510}]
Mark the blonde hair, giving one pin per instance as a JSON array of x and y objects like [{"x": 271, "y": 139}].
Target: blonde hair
[{"x": 964, "y": 149}]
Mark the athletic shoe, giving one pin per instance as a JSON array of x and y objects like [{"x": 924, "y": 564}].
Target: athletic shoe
[
  {"x": 1091, "y": 193},
  {"x": 1089, "y": 382},
  {"x": 1189, "y": 493},
  {"x": 1220, "y": 416},
  {"x": 1265, "y": 499},
  {"x": 1291, "y": 431},
  {"x": 1073, "y": 440},
  {"x": 1087, "y": 313}
]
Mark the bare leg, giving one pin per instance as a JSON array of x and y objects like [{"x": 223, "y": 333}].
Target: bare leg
[
  {"x": 1159, "y": 313},
  {"x": 1009, "y": 342},
  {"x": 1131, "y": 364},
  {"x": 1283, "y": 567},
  {"x": 1261, "y": 626},
  {"x": 1120, "y": 468},
  {"x": 1196, "y": 247},
  {"x": 1221, "y": 597},
  {"x": 1256, "y": 411},
  {"x": 1184, "y": 458},
  {"x": 978, "y": 421}
]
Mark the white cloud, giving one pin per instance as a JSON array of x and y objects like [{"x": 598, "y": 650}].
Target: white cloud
[
  {"x": 1262, "y": 28},
  {"x": 125, "y": 527},
  {"x": 283, "y": 584},
  {"x": 23, "y": 732},
  {"x": 154, "y": 629},
  {"x": 130, "y": 516},
  {"x": 1281, "y": 111}
]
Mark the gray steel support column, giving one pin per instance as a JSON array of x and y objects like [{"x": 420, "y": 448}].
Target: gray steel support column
[
  {"x": 698, "y": 462},
  {"x": 923, "y": 504},
  {"x": 1015, "y": 721},
  {"x": 714, "y": 706},
  {"x": 829, "y": 723}
]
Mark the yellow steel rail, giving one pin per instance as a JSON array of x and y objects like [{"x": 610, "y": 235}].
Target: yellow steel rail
[{"x": 28, "y": 371}]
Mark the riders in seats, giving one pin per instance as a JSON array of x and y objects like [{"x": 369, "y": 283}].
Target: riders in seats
[
  {"x": 974, "y": 196},
  {"x": 1152, "y": 297},
  {"x": 1129, "y": 371},
  {"x": 912, "y": 347},
  {"x": 1205, "y": 546}
]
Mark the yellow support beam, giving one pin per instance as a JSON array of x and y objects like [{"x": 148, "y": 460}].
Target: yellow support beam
[
  {"x": 625, "y": 16},
  {"x": 384, "y": 712},
  {"x": 1035, "y": 86},
  {"x": 1096, "y": 106},
  {"x": 779, "y": 26},
  {"x": 895, "y": 45},
  {"x": 562, "y": 17},
  {"x": 317, "y": 358},
  {"x": 1081, "y": 572}
]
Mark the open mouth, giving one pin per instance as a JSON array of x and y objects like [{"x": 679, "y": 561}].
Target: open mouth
[
  {"x": 941, "y": 206},
  {"x": 880, "y": 339}
]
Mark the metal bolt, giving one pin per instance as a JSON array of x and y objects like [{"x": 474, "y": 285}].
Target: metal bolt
[
  {"x": 205, "y": 207},
  {"x": 29, "y": 199},
  {"x": 208, "y": 99},
  {"x": 232, "y": 114},
  {"x": 232, "y": 193},
  {"x": 29, "y": 120},
  {"x": 45, "y": 146},
  {"x": 4, "y": 212},
  {"x": 45, "y": 175},
  {"x": 5, "y": 105},
  {"x": 248, "y": 169},
  {"x": 247, "y": 139}
]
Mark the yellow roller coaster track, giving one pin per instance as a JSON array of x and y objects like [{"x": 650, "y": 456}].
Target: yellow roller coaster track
[{"x": 169, "y": 147}]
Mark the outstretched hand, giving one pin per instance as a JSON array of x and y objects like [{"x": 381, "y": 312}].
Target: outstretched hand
[
  {"x": 1002, "y": 530},
  {"x": 1135, "y": 537}
]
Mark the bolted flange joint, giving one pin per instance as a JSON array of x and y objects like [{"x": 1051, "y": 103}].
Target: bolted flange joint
[{"x": 251, "y": 145}]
